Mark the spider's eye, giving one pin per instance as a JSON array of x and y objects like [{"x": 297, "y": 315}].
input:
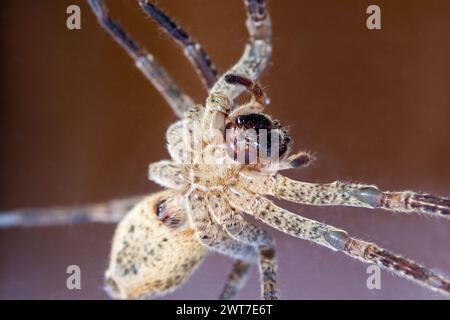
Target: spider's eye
[{"x": 254, "y": 138}]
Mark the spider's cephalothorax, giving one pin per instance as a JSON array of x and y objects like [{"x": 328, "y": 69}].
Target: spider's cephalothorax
[
  {"x": 214, "y": 143},
  {"x": 225, "y": 162}
]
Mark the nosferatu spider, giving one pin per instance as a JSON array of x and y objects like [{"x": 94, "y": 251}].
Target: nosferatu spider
[{"x": 161, "y": 241}]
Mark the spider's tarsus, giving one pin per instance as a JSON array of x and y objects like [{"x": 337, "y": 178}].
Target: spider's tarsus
[{"x": 369, "y": 252}]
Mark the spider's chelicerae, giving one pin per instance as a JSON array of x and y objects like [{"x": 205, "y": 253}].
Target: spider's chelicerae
[{"x": 217, "y": 177}]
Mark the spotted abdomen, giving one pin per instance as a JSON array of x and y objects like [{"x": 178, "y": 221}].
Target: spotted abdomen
[{"x": 150, "y": 256}]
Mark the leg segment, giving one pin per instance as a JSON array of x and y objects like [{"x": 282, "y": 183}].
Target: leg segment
[
  {"x": 336, "y": 239},
  {"x": 109, "y": 212},
  {"x": 257, "y": 52},
  {"x": 347, "y": 194},
  {"x": 145, "y": 62},
  {"x": 262, "y": 241},
  {"x": 214, "y": 237},
  {"x": 240, "y": 271},
  {"x": 251, "y": 86},
  {"x": 235, "y": 280},
  {"x": 166, "y": 173},
  {"x": 211, "y": 234},
  {"x": 239, "y": 229},
  {"x": 194, "y": 52}
]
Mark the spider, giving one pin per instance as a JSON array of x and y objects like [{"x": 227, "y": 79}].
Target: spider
[{"x": 212, "y": 182}]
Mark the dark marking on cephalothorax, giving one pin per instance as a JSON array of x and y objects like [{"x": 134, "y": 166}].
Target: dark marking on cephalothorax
[{"x": 252, "y": 135}]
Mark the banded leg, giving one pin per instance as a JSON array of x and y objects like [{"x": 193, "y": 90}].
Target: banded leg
[
  {"x": 193, "y": 51},
  {"x": 109, "y": 212},
  {"x": 214, "y": 237},
  {"x": 336, "y": 239},
  {"x": 144, "y": 61},
  {"x": 348, "y": 194},
  {"x": 239, "y": 229},
  {"x": 257, "y": 51},
  {"x": 235, "y": 280}
]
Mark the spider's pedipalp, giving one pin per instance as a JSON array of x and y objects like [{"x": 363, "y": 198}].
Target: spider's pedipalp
[
  {"x": 335, "y": 239},
  {"x": 295, "y": 161},
  {"x": 250, "y": 107},
  {"x": 251, "y": 86},
  {"x": 144, "y": 61},
  {"x": 257, "y": 51},
  {"x": 193, "y": 51},
  {"x": 347, "y": 194},
  {"x": 300, "y": 160}
]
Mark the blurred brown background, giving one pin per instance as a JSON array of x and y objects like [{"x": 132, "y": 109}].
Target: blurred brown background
[{"x": 79, "y": 124}]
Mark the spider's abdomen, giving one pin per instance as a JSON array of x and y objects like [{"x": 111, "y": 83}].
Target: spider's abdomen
[{"x": 151, "y": 256}]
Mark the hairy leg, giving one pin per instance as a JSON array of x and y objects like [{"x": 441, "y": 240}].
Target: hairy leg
[
  {"x": 347, "y": 194},
  {"x": 235, "y": 280},
  {"x": 257, "y": 51},
  {"x": 193, "y": 51},
  {"x": 215, "y": 239},
  {"x": 233, "y": 223},
  {"x": 239, "y": 246},
  {"x": 211, "y": 234},
  {"x": 144, "y": 61},
  {"x": 108, "y": 212},
  {"x": 335, "y": 239}
]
